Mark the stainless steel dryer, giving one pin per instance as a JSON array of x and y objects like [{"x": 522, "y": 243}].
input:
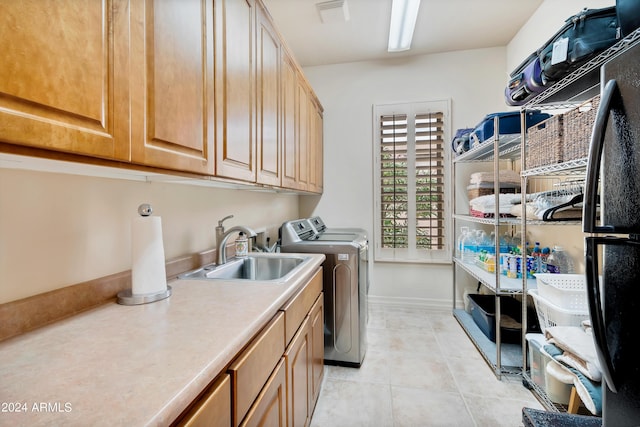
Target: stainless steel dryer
[{"x": 345, "y": 276}]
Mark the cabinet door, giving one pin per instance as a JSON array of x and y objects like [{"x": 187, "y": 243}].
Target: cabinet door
[
  {"x": 298, "y": 361},
  {"x": 318, "y": 148},
  {"x": 289, "y": 114},
  {"x": 235, "y": 89},
  {"x": 302, "y": 134},
  {"x": 269, "y": 409},
  {"x": 316, "y": 323},
  {"x": 213, "y": 409},
  {"x": 63, "y": 81},
  {"x": 171, "y": 84},
  {"x": 315, "y": 146},
  {"x": 268, "y": 100}
]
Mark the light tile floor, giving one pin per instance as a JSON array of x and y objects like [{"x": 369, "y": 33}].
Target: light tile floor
[{"x": 420, "y": 369}]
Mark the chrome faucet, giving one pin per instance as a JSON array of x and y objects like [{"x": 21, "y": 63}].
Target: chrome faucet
[
  {"x": 220, "y": 228},
  {"x": 222, "y": 242}
]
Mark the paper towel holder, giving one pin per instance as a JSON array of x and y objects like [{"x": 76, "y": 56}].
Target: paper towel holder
[{"x": 127, "y": 297}]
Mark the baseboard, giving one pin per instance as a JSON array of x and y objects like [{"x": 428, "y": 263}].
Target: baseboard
[{"x": 432, "y": 304}]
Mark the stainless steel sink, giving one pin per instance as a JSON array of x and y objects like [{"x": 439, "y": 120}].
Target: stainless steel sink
[{"x": 254, "y": 268}]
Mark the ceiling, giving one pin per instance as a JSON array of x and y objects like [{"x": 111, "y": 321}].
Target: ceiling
[{"x": 442, "y": 26}]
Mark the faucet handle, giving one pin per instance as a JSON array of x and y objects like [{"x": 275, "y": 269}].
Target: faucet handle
[{"x": 224, "y": 219}]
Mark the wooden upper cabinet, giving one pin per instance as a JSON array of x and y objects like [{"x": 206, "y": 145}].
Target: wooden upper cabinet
[
  {"x": 63, "y": 80},
  {"x": 197, "y": 86},
  {"x": 289, "y": 90},
  {"x": 302, "y": 135},
  {"x": 302, "y": 142},
  {"x": 267, "y": 99},
  {"x": 172, "y": 117},
  {"x": 316, "y": 162},
  {"x": 235, "y": 89}
]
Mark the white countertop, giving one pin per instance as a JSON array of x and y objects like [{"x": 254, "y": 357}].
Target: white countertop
[{"x": 135, "y": 365}]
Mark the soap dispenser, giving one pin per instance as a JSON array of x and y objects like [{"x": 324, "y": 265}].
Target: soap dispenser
[{"x": 242, "y": 245}]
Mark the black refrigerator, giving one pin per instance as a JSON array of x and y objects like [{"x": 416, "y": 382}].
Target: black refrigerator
[{"x": 612, "y": 248}]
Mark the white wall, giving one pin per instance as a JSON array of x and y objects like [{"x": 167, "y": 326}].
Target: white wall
[
  {"x": 57, "y": 230},
  {"x": 473, "y": 80}
]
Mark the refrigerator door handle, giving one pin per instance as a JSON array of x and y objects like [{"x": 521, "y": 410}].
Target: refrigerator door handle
[
  {"x": 613, "y": 377},
  {"x": 595, "y": 309},
  {"x": 595, "y": 156}
]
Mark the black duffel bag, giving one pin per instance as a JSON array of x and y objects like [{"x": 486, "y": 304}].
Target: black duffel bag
[{"x": 583, "y": 37}]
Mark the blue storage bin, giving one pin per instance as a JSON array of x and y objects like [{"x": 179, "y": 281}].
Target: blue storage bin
[
  {"x": 483, "y": 312},
  {"x": 509, "y": 123}
]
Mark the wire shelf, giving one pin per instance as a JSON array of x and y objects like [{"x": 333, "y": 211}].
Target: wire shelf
[
  {"x": 488, "y": 221},
  {"x": 584, "y": 82},
  {"x": 508, "y": 147},
  {"x": 572, "y": 167}
]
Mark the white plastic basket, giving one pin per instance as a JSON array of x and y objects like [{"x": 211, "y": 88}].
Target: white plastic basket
[
  {"x": 550, "y": 314},
  {"x": 567, "y": 291}
]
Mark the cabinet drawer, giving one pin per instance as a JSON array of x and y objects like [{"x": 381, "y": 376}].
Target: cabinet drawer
[
  {"x": 213, "y": 409},
  {"x": 250, "y": 371},
  {"x": 269, "y": 408},
  {"x": 299, "y": 306}
]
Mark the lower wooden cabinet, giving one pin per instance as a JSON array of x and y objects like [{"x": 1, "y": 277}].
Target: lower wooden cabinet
[
  {"x": 269, "y": 409},
  {"x": 213, "y": 408},
  {"x": 250, "y": 371},
  {"x": 298, "y": 362},
  {"x": 316, "y": 325},
  {"x": 276, "y": 379}
]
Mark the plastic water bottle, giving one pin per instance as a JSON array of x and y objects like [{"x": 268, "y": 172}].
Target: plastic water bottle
[
  {"x": 505, "y": 242},
  {"x": 543, "y": 259},
  {"x": 537, "y": 258},
  {"x": 459, "y": 248},
  {"x": 559, "y": 261},
  {"x": 469, "y": 245}
]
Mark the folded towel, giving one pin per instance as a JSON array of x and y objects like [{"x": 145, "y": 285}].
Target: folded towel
[
  {"x": 579, "y": 350},
  {"x": 487, "y": 204},
  {"x": 590, "y": 392},
  {"x": 504, "y": 176}
]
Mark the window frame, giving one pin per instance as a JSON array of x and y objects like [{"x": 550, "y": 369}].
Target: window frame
[{"x": 413, "y": 254}]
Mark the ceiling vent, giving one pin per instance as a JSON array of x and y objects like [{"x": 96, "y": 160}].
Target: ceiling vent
[{"x": 333, "y": 11}]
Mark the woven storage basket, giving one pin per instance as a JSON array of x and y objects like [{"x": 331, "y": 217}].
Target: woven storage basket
[
  {"x": 551, "y": 315},
  {"x": 567, "y": 291},
  {"x": 545, "y": 142},
  {"x": 578, "y": 124}
]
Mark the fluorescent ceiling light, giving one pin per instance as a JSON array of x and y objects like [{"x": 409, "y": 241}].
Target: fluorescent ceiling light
[{"x": 403, "y": 21}]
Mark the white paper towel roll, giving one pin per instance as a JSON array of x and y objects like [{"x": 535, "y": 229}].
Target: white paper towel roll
[{"x": 148, "y": 275}]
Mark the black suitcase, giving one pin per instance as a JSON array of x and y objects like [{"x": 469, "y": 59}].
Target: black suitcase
[{"x": 583, "y": 37}]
